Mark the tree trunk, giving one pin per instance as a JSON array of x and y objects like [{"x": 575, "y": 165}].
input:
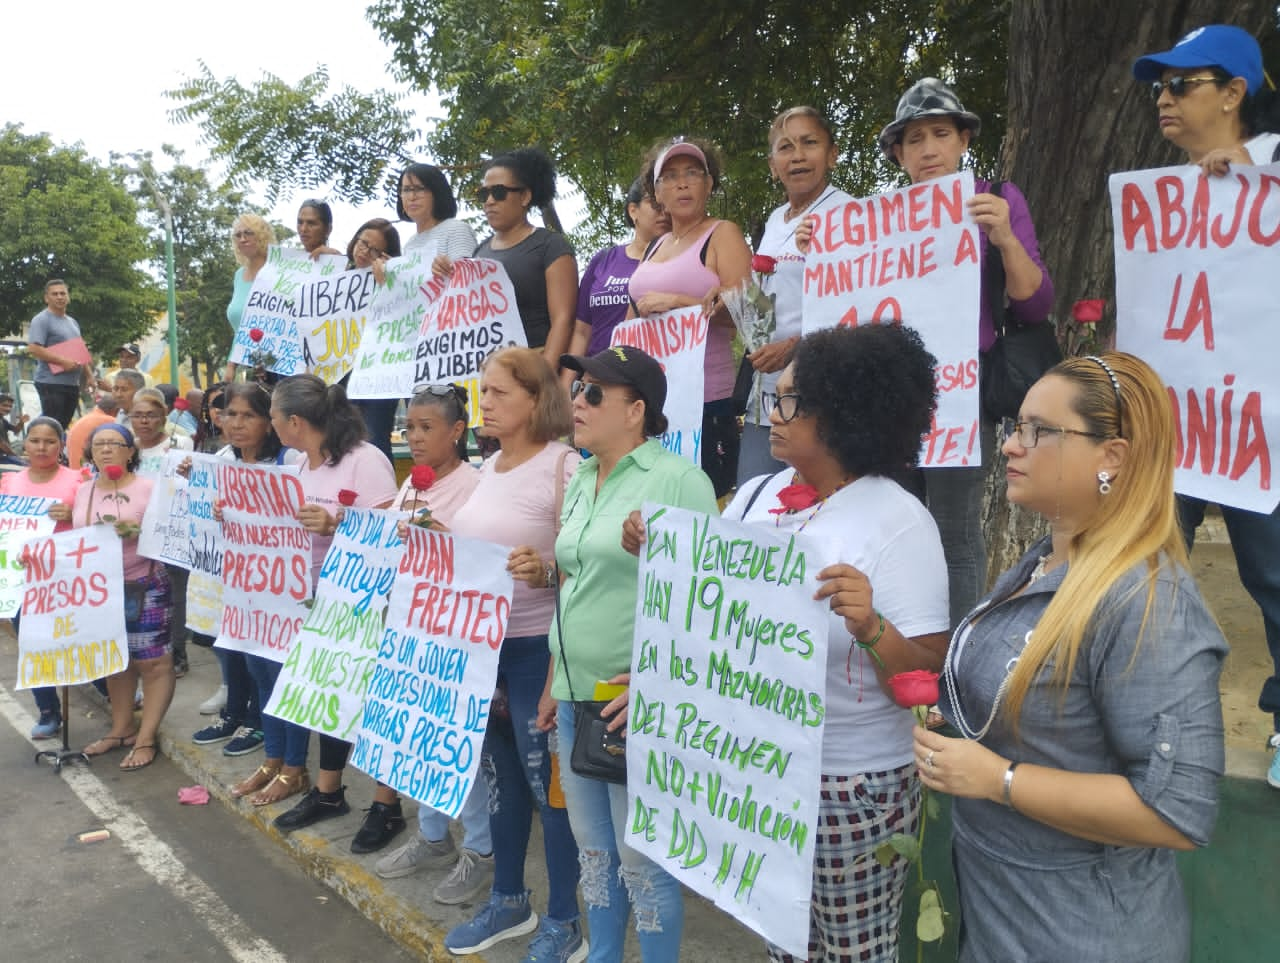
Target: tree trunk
[{"x": 1076, "y": 115}]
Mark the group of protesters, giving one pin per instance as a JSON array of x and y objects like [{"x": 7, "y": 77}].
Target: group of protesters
[{"x": 1086, "y": 735}]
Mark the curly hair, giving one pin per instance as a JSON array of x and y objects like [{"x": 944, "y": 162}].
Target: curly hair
[
  {"x": 709, "y": 151},
  {"x": 533, "y": 169},
  {"x": 872, "y": 391},
  {"x": 263, "y": 231}
]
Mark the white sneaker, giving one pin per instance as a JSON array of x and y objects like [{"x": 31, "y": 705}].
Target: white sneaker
[
  {"x": 416, "y": 854},
  {"x": 472, "y": 875},
  {"x": 215, "y": 703}
]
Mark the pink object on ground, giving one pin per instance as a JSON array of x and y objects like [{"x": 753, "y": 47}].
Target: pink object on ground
[{"x": 193, "y": 796}]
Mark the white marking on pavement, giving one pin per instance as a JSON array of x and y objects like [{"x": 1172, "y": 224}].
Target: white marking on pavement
[{"x": 153, "y": 855}]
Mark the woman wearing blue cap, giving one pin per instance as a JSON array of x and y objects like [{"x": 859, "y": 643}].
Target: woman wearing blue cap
[{"x": 1216, "y": 102}]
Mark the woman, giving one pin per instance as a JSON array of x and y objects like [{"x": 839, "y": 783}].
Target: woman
[
  {"x": 927, "y": 139},
  {"x": 802, "y": 155},
  {"x": 1212, "y": 103},
  {"x": 617, "y": 412},
  {"x": 525, "y": 410},
  {"x": 436, "y": 430},
  {"x": 539, "y": 262},
  {"x": 686, "y": 268},
  {"x": 423, "y": 196},
  {"x": 208, "y": 437},
  {"x": 374, "y": 243},
  {"x": 148, "y": 600},
  {"x": 1086, "y": 689},
  {"x": 241, "y": 725},
  {"x": 602, "y": 295},
  {"x": 315, "y": 224},
  {"x": 325, "y": 427},
  {"x": 147, "y": 418},
  {"x": 44, "y": 477},
  {"x": 851, "y": 409},
  {"x": 251, "y": 235}
]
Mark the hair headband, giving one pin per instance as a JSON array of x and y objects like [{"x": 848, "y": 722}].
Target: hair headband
[{"x": 1115, "y": 384}]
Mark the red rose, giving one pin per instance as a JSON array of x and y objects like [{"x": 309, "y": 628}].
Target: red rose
[
  {"x": 918, "y": 688},
  {"x": 1088, "y": 311},
  {"x": 763, "y": 264},
  {"x": 346, "y": 497},
  {"x": 795, "y": 498},
  {"x": 256, "y": 334},
  {"x": 114, "y": 472},
  {"x": 422, "y": 477},
  {"x": 86, "y": 473},
  {"x": 181, "y": 404}
]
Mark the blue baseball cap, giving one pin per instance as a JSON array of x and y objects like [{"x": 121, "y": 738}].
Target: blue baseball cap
[{"x": 1229, "y": 48}]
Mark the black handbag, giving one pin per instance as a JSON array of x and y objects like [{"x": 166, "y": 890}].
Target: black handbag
[{"x": 1022, "y": 352}]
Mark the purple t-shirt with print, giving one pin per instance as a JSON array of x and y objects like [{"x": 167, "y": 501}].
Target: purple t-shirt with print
[{"x": 602, "y": 295}]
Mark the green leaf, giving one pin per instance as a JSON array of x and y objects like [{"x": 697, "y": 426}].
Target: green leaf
[
  {"x": 932, "y": 807},
  {"x": 929, "y": 898},
  {"x": 929, "y": 925},
  {"x": 908, "y": 847},
  {"x": 885, "y": 854}
]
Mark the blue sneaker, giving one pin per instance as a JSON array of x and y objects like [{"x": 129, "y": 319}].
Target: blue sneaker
[
  {"x": 502, "y": 918},
  {"x": 50, "y": 725},
  {"x": 220, "y": 731},
  {"x": 557, "y": 942},
  {"x": 1273, "y": 774},
  {"x": 244, "y": 741}
]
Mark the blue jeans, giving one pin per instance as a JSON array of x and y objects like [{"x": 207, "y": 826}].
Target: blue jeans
[
  {"x": 280, "y": 739},
  {"x": 517, "y": 767},
  {"x": 1255, "y": 540},
  {"x": 615, "y": 877},
  {"x": 46, "y": 696},
  {"x": 242, "y": 707},
  {"x": 476, "y": 835}
]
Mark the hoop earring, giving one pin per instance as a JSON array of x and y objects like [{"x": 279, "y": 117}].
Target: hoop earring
[{"x": 1104, "y": 483}]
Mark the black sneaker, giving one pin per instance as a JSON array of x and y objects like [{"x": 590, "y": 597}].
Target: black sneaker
[
  {"x": 314, "y": 807},
  {"x": 381, "y": 825},
  {"x": 220, "y": 731},
  {"x": 243, "y": 742}
]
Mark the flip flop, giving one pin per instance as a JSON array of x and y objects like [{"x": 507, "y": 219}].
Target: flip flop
[
  {"x": 113, "y": 743},
  {"x": 127, "y": 768}
]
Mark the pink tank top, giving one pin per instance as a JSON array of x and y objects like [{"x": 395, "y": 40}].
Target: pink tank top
[{"x": 685, "y": 274}]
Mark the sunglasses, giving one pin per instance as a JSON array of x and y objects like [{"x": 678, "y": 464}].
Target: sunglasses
[
  {"x": 498, "y": 192},
  {"x": 441, "y": 391},
  {"x": 1178, "y": 85},
  {"x": 591, "y": 392}
]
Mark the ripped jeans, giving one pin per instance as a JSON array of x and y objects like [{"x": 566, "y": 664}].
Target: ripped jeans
[
  {"x": 517, "y": 767},
  {"x": 616, "y": 878}
]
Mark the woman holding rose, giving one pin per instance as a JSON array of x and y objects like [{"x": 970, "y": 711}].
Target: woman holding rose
[
  {"x": 1085, "y": 687},
  {"x": 251, "y": 235}
]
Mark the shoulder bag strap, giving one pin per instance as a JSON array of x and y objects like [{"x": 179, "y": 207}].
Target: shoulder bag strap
[{"x": 756, "y": 494}]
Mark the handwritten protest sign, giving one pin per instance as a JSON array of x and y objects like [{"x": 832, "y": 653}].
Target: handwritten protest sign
[
  {"x": 22, "y": 519},
  {"x": 266, "y": 560},
  {"x": 204, "y": 546},
  {"x": 473, "y": 317},
  {"x": 323, "y": 681},
  {"x": 427, "y": 705},
  {"x": 385, "y": 363},
  {"x": 1195, "y": 298},
  {"x": 678, "y": 340},
  {"x": 330, "y": 313},
  {"x": 271, "y": 309},
  {"x": 73, "y": 627},
  {"x": 164, "y": 536},
  {"x": 728, "y": 694},
  {"x": 910, "y": 255}
]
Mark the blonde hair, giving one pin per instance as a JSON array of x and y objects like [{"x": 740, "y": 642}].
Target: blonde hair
[
  {"x": 1136, "y": 522},
  {"x": 261, "y": 230},
  {"x": 154, "y": 395},
  {"x": 552, "y": 417},
  {"x": 791, "y": 113}
]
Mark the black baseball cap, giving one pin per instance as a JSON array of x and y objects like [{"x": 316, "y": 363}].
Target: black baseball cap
[{"x": 624, "y": 365}]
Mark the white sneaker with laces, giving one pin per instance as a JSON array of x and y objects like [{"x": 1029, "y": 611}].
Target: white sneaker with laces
[{"x": 215, "y": 703}]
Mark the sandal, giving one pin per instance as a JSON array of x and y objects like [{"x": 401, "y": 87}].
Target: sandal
[
  {"x": 282, "y": 787},
  {"x": 124, "y": 763},
  {"x": 259, "y": 780},
  {"x": 109, "y": 744}
]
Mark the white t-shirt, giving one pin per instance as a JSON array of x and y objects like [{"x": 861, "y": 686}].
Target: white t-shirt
[
  {"x": 1262, "y": 147},
  {"x": 887, "y": 534},
  {"x": 453, "y": 238},
  {"x": 787, "y": 282},
  {"x": 151, "y": 460}
]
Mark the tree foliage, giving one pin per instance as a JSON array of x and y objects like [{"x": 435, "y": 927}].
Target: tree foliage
[{"x": 62, "y": 214}]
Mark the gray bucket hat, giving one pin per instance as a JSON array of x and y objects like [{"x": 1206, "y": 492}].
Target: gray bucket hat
[{"x": 929, "y": 97}]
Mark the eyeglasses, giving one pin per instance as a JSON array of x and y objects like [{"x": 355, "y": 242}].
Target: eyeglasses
[
  {"x": 107, "y": 445},
  {"x": 241, "y": 235},
  {"x": 413, "y": 190},
  {"x": 1028, "y": 432},
  {"x": 788, "y": 406},
  {"x": 363, "y": 245},
  {"x": 688, "y": 174},
  {"x": 498, "y": 192},
  {"x": 145, "y": 416},
  {"x": 591, "y": 392},
  {"x": 1178, "y": 85}
]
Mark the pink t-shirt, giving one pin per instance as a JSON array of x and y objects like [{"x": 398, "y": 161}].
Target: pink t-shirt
[
  {"x": 62, "y": 486},
  {"x": 364, "y": 470},
  {"x": 444, "y": 497},
  {"x": 95, "y": 500},
  {"x": 518, "y": 507}
]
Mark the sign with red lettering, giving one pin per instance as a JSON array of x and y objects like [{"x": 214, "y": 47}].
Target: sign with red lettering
[
  {"x": 678, "y": 340},
  {"x": 323, "y": 680},
  {"x": 428, "y": 700},
  {"x": 911, "y": 255},
  {"x": 22, "y": 518},
  {"x": 266, "y": 560},
  {"x": 1196, "y": 299},
  {"x": 73, "y": 627},
  {"x": 384, "y": 365}
]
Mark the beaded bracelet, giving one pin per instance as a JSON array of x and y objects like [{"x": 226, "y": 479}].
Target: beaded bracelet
[{"x": 871, "y": 646}]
